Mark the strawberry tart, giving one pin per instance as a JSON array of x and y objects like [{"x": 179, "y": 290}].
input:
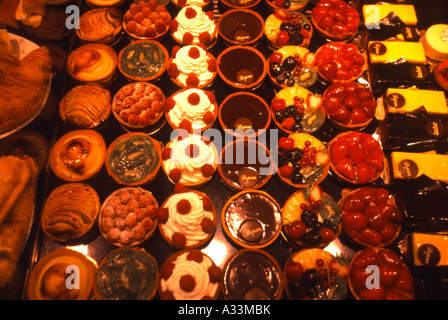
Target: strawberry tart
[
  {"x": 189, "y": 275},
  {"x": 193, "y": 25},
  {"x": 187, "y": 218},
  {"x": 192, "y": 65}
]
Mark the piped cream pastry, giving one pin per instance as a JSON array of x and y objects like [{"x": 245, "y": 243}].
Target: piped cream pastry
[
  {"x": 435, "y": 42},
  {"x": 187, "y": 219},
  {"x": 185, "y": 3},
  {"x": 189, "y": 275},
  {"x": 189, "y": 160},
  {"x": 192, "y": 25},
  {"x": 191, "y": 109},
  {"x": 192, "y": 65}
]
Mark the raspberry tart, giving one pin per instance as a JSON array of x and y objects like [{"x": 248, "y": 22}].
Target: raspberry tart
[
  {"x": 189, "y": 275},
  {"x": 191, "y": 109},
  {"x": 296, "y": 109},
  {"x": 146, "y": 21},
  {"x": 356, "y": 157},
  {"x": 189, "y": 159},
  {"x": 283, "y": 28},
  {"x": 335, "y": 20},
  {"x": 192, "y": 66},
  {"x": 311, "y": 218},
  {"x": 349, "y": 105},
  {"x": 292, "y": 66},
  {"x": 395, "y": 280},
  {"x": 338, "y": 61},
  {"x": 128, "y": 216},
  {"x": 138, "y": 105},
  {"x": 316, "y": 274},
  {"x": 370, "y": 216},
  {"x": 303, "y": 160},
  {"x": 187, "y": 218}
]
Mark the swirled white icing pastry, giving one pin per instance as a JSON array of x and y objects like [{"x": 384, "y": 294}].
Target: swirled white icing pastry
[
  {"x": 198, "y": 65},
  {"x": 193, "y": 20}
]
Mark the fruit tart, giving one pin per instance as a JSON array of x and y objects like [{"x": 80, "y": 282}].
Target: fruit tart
[
  {"x": 191, "y": 109},
  {"x": 441, "y": 74},
  {"x": 303, "y": 160},
  {"x": 283, "y": 28},
  {"x": 311, "y": 218},
  {"x": 356, "y": 157},
  {"x": 189, "y": 275},
  {"x": 252, "y": 219},
  {"x": 349, "y": 105},
  {"x": 146, "y": 21},
  {"x": 187, "y": 218},
  {"x": 370, "y": 216},
  {"x": 126, "y": 274},
  {"x": 138, "y": 105},
  {"x": 128, "y": 216},
  {"x": 335, "y": 20},
  {"x": 286, "y": 4},
  {"x": 296, "y": 109},
  {"x": 316, "y": 274},
  {"x": 190, "y": 159},
  {"x": 101, "y": 25},
  {"x": 395, "y": 280},
  {"x": 133, "y": 159},
  {"x": 292, "y": 66},
  {"x": 192, "y": 66},
  {"x": 78, "y": 155},
  {"x": 339, "y": 61}
]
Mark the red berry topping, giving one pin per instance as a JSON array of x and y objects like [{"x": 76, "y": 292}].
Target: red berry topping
[
  {"x": 208, "y": 117},
  {"x": 195, "y": 255},
  {"x": 179, "y": 240},
  {"x": 166, "y": 154},
  {"x": 194, "y": 52},
  {"x": 190, "y": 13},
  {"x": 173, "y": 26},
  {"x": 207, "y": 225},
  {"x": 214, "y": 273},
  {"x": 204, "y": 37},
  {"x": 183, "y": 206},
  {"x": 192, "y": 80},
  {"x": 207, "y": 170},
  {"x": 162, "y": 215},
  {"x": 173, "y": 72},
  {"x": 169, "y": 104},
  {"x": 187, "y": 39},
  {"x": 175, "y": 175},
  {"x": 186, "y": 125},
  {"x": 187, "y": 283},
  {"x": 193, "y": 99},
  {"x": 211, "y": 65}
]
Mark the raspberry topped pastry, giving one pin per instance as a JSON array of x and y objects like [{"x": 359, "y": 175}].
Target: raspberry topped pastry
[
  {"x": 187, "y": 218},
  {"x": 193, "y": 25},
  {"x": 191, "y": 109},
  {"x": 190, "y": 160},
  {"x": 189, "y": 275},
  {"x": 192, "y": 66}
]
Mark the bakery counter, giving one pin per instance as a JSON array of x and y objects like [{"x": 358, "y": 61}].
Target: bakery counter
[{"x": 97, "y": 242}]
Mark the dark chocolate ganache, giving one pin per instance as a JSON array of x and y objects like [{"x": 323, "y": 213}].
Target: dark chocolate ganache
[
  {"x": 127, "y": 274},
  {"x": 241, "y": 66},
  {"x": 142, "y": 60},
  {"x": 244, "y": 112},
  {"x": 252, "y": 275},
  {"x": 246, "y": 164},
  {"x": 240, "y": 26},
  {"x": 253, "y": 218}
]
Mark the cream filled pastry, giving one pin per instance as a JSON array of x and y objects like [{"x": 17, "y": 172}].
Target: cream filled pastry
[
  {"x": 187, "y": 219},
  {"x": 192, "y": 65},
  {"x": 185, "y": 3},
  {"x": 192, "y": 25},
  {"x": 191, "y": 109},
  {"x": 189, "y": 275},
  {"x": 189, "y": 160}
]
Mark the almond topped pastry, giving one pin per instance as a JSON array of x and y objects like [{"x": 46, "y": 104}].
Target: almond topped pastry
[{"x": 101, "y": 25}]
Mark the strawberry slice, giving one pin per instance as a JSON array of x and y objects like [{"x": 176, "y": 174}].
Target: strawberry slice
[
  {"x": 346, "y": 168},
  {"x": 372, "y": 294},
  {"x": 356, "y": 153},
  {"x": 353, "y": 203},
  {"x": 405, "y": 282},
  {"x": 365, "y": 173},
  {"x": 358, "y": 278},
  {"x": 388, "y": 232},
  {"x": 309, "y": 59},
  {"x": 388, "y": 256},
  {"x": 376, "y": 160},
  {"x": 378, "y": 216},
  {"x": 354, "y": 221},
  {"x": 370, "y": 236},
  {"x": 368, "y": 142},
  {"x": 389, "y": 274},
  {"x": 365, "y": 258},
  {"x": 280, "y": 13},
  {"x": 391, "y": 294},
  {"x": 366, "y": 193},
  {"x": 338, "y": 151},
  {"x": 358, "y": 116}
]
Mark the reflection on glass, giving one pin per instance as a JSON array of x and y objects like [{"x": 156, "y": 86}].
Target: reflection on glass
[{"x": 217, "y": 251}]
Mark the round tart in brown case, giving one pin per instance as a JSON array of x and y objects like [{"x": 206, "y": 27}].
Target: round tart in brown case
[
  {"x": 86, "y": 106},
  {"x": 93, "y": 62},
  {"x": 78, "y": 155},
  {"x": 241, "y": 27},
  {"x": 239, "y": 4},
  {"x": 102, "y": 3},
  {"x": 395, "y": 279},
  {"x": 187, "y": 218},
  {"x": 127, "y": 274},
  {"x": 289, "y": 6},
  {"x": 242, "y": 67},
  {"x": 70, "y": 211},
  {"x": 370, "y": 216},
  {"x": 189, "y": 275},
  {"x": 48, "y": 278},
  {"x": 128, "y": 216},
  {"x": 252, "y": 219},
  {"x": 315, "y": 274},
  {"x": 244, "y": 114},
  {"x": 143, "y": 60},
  {"x": 252, "y": 274},
  {"x": 245, "y": 164},
  {"x": 100, "y": 25},
  {"x": 133, "y": 159}
]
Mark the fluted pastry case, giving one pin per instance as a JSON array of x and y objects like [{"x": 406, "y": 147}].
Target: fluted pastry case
[{"x": 234, "y": 150}]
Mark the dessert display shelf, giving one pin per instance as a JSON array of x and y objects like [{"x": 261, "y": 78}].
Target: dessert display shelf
[{"x": 136, "y": 113}]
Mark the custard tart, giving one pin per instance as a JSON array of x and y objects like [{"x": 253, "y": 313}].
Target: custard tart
[
  {"x": 86, "y": 106},
  {"x": 78, "y": 155},
  {"x": 101, "y": 25}
]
